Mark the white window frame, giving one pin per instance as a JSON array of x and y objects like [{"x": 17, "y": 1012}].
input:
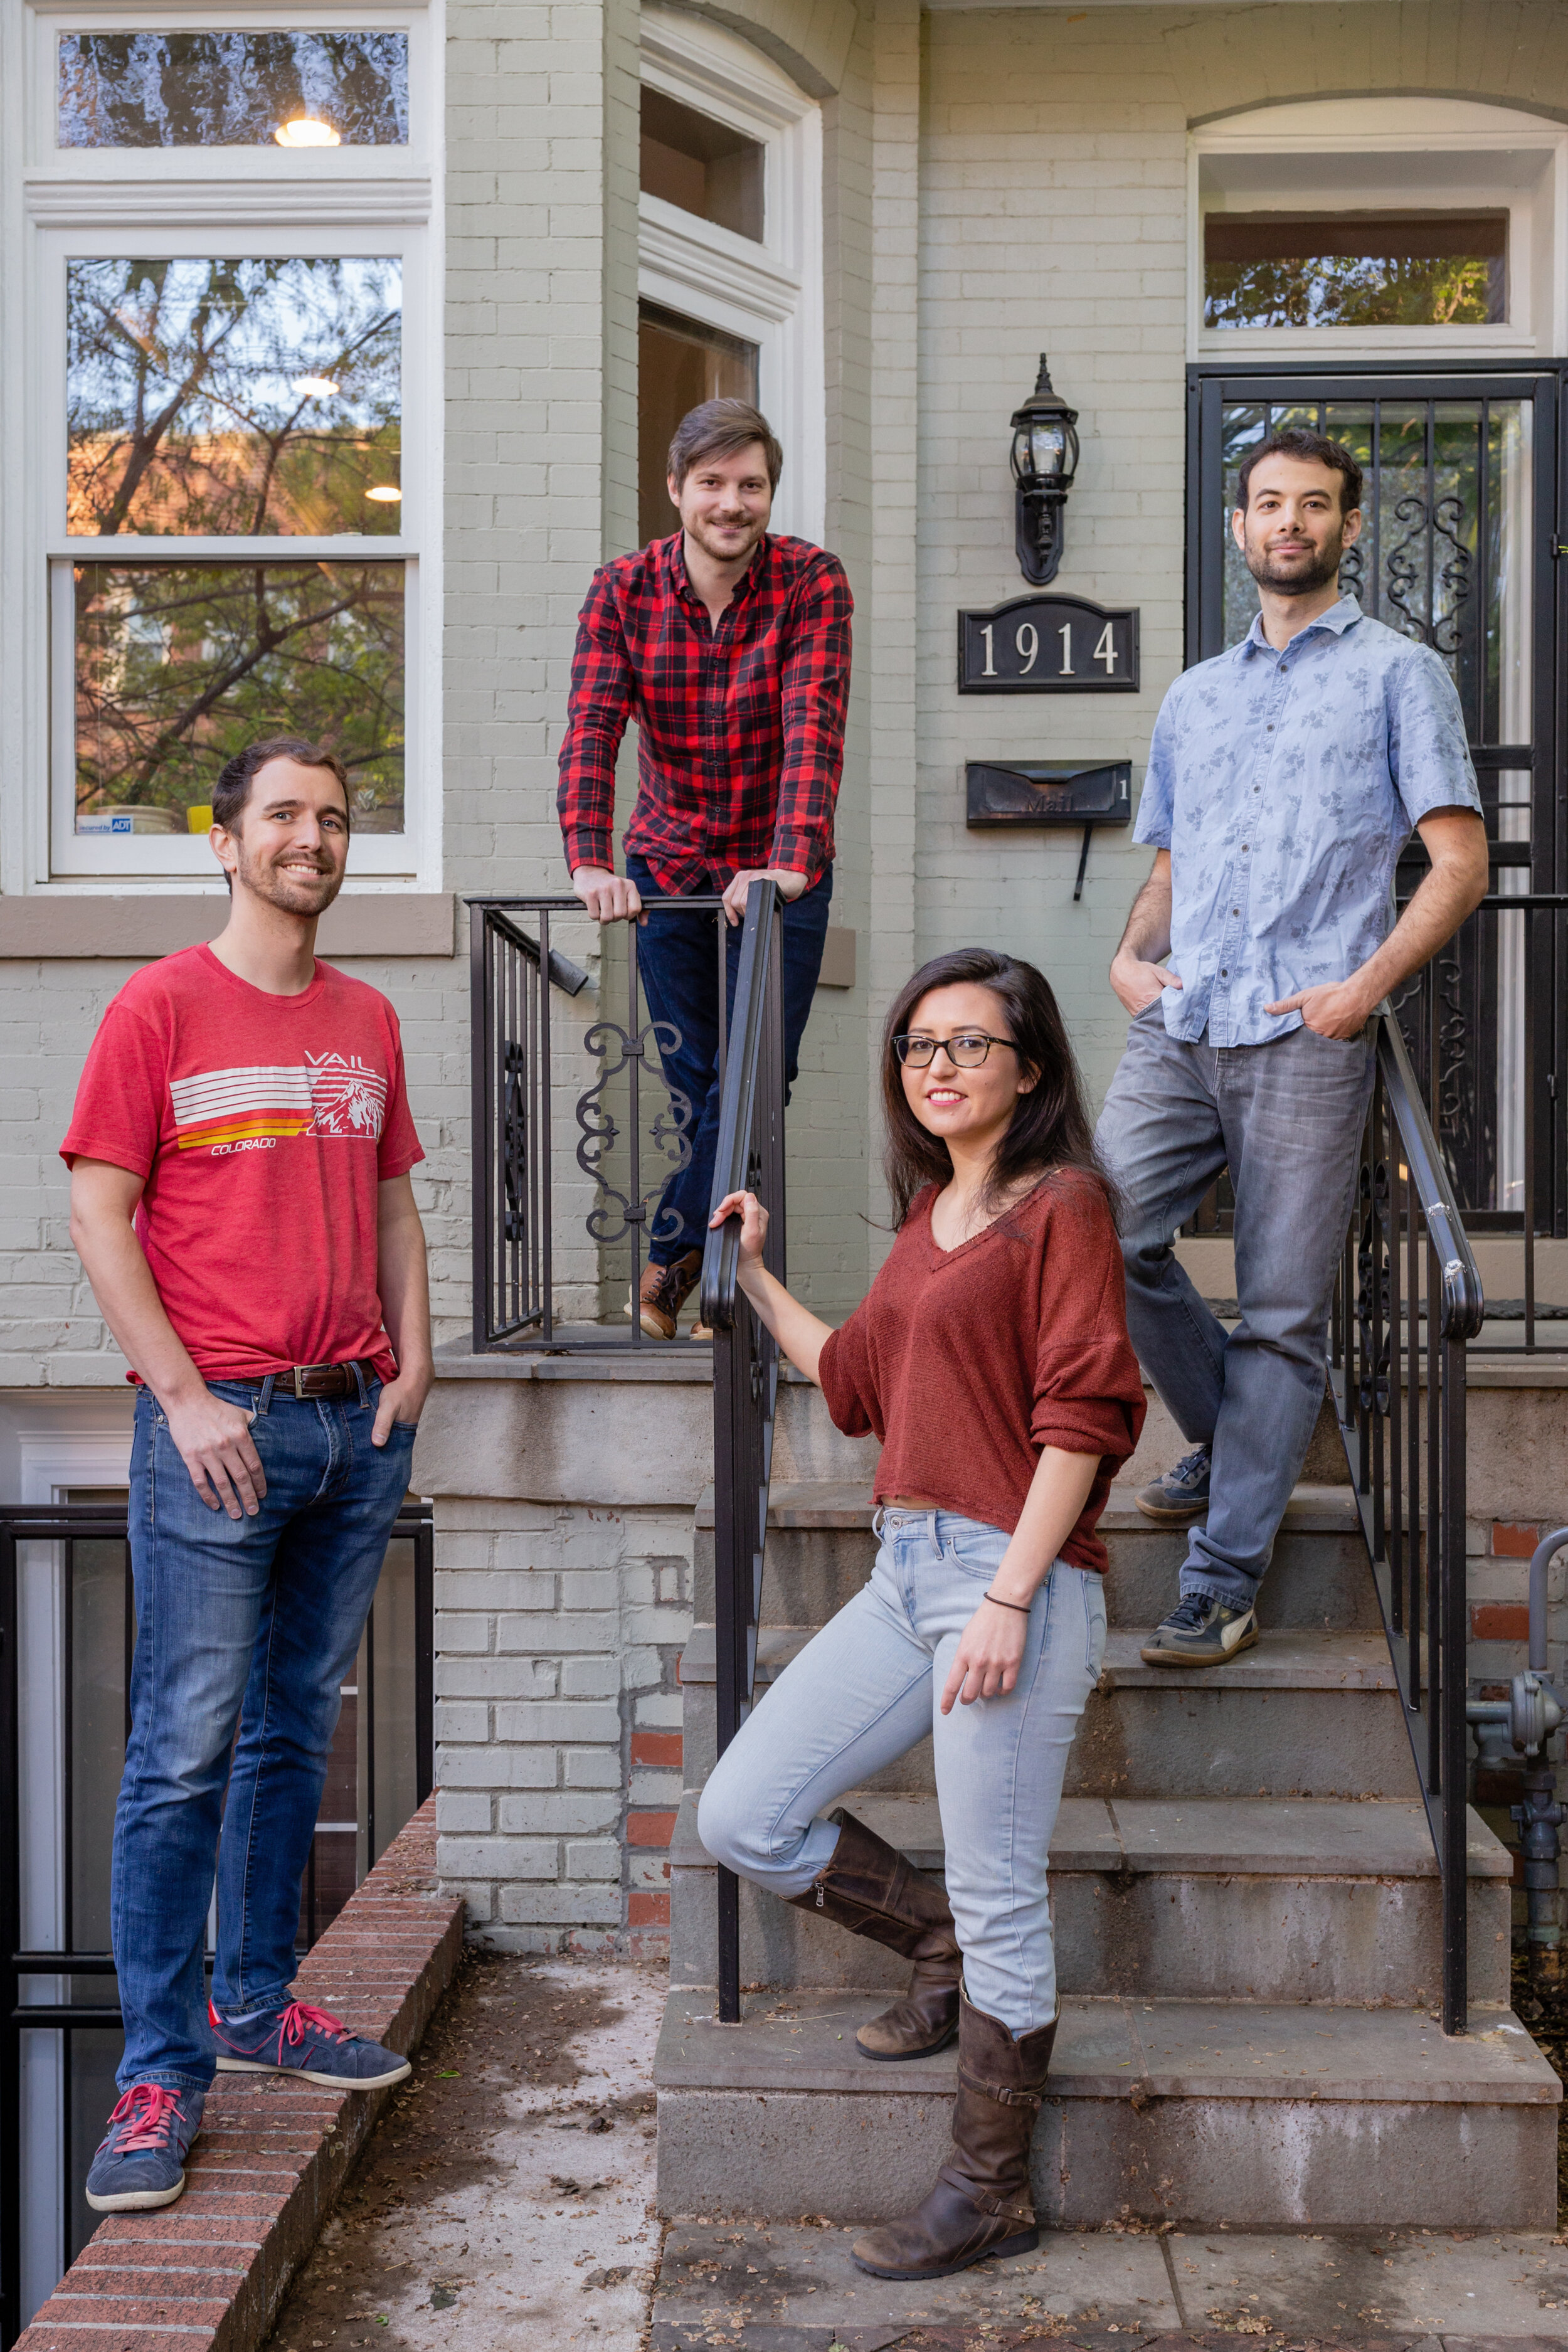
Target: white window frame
[
  {"x": 96, "y": 203},
  {"x": 768, "y": 293},
  {"x": 1391, "y": 154}
]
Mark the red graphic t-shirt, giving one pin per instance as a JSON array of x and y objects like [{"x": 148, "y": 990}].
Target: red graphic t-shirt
[{"x": 263, "y": 1126}]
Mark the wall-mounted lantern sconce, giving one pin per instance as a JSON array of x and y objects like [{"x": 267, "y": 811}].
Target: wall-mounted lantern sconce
[{"x": 1044, "y": 459}]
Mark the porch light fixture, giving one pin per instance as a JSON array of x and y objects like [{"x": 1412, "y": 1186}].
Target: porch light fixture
[
  {"x": 384, "y": 495},
  {"x": 1044, "y": 459}
]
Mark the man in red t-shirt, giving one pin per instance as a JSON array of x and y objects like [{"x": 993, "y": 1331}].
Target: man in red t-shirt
[{"x": 240, "y": 1199}]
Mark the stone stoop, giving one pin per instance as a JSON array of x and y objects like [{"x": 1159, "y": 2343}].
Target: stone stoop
[
  {"x": 271, "y": 2157},
  {"x": 1248, "y": 1927}
]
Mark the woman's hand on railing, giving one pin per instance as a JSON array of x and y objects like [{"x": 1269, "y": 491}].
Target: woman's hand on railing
[
  {"x": 754, "y": 1228},
  {"x": 801, "y": 1334}
]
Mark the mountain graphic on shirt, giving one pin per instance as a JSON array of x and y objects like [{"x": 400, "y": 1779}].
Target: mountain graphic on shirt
[
  {"x": 327, "y": 1094},
  {"x": 347, "y": 1096}
]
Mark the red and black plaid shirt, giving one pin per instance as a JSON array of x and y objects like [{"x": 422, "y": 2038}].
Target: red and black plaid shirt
[{"x": 739, "y": 728}]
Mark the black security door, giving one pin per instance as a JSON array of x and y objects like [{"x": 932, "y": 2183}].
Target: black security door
[{"x": 1458, "y": 551}]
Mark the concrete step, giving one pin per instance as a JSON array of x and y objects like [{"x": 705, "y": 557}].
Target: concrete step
[
  {"x": 1163, "y": 1899},
  {"x": 821, "y": 1549},
  {"x": 1304, "y": 1713},
  {"x": 1252, "y": 2115}
]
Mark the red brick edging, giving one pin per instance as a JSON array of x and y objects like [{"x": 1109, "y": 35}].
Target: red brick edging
[{"x": 272, "y": 2155}]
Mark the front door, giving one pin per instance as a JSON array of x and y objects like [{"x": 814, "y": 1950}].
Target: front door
[{"x": 1457, "y": 550}]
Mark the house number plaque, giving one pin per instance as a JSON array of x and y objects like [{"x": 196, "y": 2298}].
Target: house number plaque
[{"x": 1048, "y": 644}]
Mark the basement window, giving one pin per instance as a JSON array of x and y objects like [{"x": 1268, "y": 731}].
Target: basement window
[{"x": 1356, "y": 269}]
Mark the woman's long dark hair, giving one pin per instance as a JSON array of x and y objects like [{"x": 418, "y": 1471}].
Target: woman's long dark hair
[{"x": 1049, "y": 1129}]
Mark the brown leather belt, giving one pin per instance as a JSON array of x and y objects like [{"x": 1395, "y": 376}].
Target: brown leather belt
[{"x": 326, "y": 1379}]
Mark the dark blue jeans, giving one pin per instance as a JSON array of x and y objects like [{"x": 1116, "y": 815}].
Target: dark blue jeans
[
  {"x": 251, "y": 1622},
  {"x": 680, "y": 981}
]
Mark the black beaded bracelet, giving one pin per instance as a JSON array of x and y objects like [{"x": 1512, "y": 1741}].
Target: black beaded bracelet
[{"x": 1018, "y": 1605}]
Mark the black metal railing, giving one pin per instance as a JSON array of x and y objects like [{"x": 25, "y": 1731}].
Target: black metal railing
[
  {"x": 750, "y": 1157},
  {"x": 1409, "y": 1304},
  {"x": 66, "y": 1634},
  {"x": 559, "y": 1244},
  {"x": 1486, "y": 1027}
]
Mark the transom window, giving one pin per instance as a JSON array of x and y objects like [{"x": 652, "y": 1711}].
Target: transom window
[
  {"x": 233, "y": 89},
  {"x": 1356, "y": 269}
]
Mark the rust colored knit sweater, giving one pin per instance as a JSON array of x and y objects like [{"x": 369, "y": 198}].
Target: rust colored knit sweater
[{"x": 968, "y": 1362}]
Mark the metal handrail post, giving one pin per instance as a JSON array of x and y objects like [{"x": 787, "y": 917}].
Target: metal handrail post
[{"x": 750, "y": 1145}]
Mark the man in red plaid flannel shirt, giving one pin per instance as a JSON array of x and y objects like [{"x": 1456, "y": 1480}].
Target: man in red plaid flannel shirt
[{"x": 730, "y": 647}]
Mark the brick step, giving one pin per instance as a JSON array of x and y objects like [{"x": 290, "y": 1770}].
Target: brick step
[
  {"x": 1163, "y": 1898},
  {"x": 1255, "y": 2115},
  {"x": 820, "y": 1548},
  {"x": 1304, "y": 1713}
]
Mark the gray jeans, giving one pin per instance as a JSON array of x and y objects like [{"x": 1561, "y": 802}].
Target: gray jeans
[{"x": 1285, "y": 1118}]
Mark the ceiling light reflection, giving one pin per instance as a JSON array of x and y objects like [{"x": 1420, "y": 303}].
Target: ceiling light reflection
[{"x": 303, "y": 131}]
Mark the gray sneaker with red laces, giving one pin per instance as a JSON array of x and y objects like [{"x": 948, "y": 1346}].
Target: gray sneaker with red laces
[
  {"x": 141, "y": 2159},
  {"x": 300, "y": 2038}
]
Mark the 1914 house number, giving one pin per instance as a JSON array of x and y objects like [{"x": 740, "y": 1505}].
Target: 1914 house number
[{"x": 1048, "y": 644}]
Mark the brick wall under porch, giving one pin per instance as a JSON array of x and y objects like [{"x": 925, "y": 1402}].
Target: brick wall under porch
[{"x": 558, "y": 1719}]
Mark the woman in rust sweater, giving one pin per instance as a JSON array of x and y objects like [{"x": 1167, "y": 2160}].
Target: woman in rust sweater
[{"x": 991, "y": 1357}]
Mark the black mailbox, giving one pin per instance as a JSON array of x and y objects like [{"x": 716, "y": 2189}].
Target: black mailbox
[{"x": 1033, "y": 793}]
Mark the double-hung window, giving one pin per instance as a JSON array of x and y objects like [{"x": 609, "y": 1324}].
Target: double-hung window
[{"x": 233, "y": 399}]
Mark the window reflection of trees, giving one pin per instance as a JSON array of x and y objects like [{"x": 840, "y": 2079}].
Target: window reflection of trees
[
  {"x": 234, "y": 399},
  {"x": 231, "y": 89},
  {"x": 181, "y": 665}
]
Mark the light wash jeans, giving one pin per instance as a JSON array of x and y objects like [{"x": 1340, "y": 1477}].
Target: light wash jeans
[
  {"x": 248, "y": 1622},
  {"x": 1285, "y": 1118},
  {"x": 867, "y": 1688}
]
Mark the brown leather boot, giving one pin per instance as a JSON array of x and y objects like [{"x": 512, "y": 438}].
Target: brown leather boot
[
  {"x": 875, "y": 1891},
  {"x": 664, "y": 1291},
  {"x": 980, "y": 2204}
]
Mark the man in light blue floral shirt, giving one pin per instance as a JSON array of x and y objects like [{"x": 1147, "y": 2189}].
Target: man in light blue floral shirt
[{"x": 1284, "y": 778}]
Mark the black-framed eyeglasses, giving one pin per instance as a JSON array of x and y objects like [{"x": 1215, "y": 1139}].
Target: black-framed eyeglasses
[{"x": 965, "y": 1049}]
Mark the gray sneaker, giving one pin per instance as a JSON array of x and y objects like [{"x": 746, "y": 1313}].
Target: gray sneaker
[
  {"x": 1181, "y": 1493},
  {"x": 141, "y": 2159},
  {"x": 1200, "y": 1632}
]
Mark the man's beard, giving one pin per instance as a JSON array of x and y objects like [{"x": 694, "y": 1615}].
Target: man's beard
[
  {"x": 1316, "y": 574},
  {"x": 293, "y": 894},
  {"x": 722, "y": 554}
]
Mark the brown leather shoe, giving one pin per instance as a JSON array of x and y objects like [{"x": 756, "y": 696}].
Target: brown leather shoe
[
  {"x": 875, "y": 1891},
  {"x": 664, "y": 1291},
  {"x": 980, "y": 2204}
]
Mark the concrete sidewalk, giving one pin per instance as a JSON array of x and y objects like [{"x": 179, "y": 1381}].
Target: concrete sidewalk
[
  {"x": 505, "y": 2204},
  {"x": 773, "y": 2289}
]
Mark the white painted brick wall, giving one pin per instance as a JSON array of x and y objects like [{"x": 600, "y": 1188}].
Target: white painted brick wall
[{"x": 557, "y": 1632}]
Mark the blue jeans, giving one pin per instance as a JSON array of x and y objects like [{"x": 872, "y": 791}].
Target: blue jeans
[
  {"x": 1285, "y": 1118},
  {"x": 248, "y": 1622},
  {"x": 679, "y": 966},
  {"x": 867, "y": 1688}
]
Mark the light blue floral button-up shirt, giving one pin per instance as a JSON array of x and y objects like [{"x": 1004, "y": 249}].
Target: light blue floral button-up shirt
[{"x": 1284, "y": 786}]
